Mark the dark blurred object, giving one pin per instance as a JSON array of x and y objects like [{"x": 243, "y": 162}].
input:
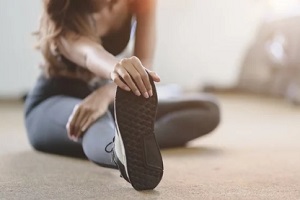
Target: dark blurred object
[
  {"x": 24, "y": 97},
  {"x": 272, "y": 63}
]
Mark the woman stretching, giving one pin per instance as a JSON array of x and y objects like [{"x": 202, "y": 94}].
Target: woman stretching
[{"x": 87, "y": 102}]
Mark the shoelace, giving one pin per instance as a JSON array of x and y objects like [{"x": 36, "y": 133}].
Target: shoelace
[
  {"x": 111, "y": 151},
  {"x": 112, "y": 146}
]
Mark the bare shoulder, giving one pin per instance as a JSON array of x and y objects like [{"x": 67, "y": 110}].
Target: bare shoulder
[{"x": 142, "y": 6}]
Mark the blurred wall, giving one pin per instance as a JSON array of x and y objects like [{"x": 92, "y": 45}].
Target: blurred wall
[
  {"x": 18, "y": 61},
  {"x": 204, "y": 41},
  {"x": 199, "y": 41}
]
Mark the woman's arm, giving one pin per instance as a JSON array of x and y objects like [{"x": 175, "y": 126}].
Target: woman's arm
[
  {"x": 146, "y": 31},
  {"x": 94, "y": 57},
  {"x": 87, "y": 53}
]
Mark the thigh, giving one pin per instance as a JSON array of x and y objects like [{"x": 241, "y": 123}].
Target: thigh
[{"x": 46, "y": 126}]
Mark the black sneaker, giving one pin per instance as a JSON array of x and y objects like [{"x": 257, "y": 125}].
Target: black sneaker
[{"x": 136, "y": 151}]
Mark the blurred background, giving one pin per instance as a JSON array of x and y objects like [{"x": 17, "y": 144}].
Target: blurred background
[
  {"x": 217, "y": 43},
  {"x": 246, "y": 52}
]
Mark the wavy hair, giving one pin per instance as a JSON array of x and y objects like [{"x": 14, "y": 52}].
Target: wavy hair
[{"x": 60, "y": 17}]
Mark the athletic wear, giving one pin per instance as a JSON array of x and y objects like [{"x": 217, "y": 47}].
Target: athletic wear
[{"x": 51, "y": 102}]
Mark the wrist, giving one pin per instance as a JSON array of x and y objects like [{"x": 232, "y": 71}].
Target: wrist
[{"x": 109, "y": 90}]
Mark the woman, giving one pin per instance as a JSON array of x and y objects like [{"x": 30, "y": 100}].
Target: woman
[{"x": 70, "y": 111}]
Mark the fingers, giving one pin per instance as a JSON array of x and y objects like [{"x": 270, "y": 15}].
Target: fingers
[
  {"x": 81, "y": 123},
  {"x": 77, "y": 120},
  {"x": 115, "y": 77},
  {"x": 143, "y": 77},
  {"x": 87, "y": 112},
  {"x": 154, "y": 76},
  {"x": 137, "y": 77},
  {"x": 130, "y": 74},
  {"x": 90, "y": 120},
  {"x": 127, "y": 77},
  {"x": 71, "y": 123}
]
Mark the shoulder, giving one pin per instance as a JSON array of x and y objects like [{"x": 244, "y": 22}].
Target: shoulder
[{"x": 142, "y": 6}]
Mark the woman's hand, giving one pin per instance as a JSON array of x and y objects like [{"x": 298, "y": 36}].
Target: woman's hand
[
  {"x": 89, "y": 110},
  {"x": 129, "y": 74}
]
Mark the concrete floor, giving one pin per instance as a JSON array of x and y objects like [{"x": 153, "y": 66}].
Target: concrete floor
[{"x": 254, "y": 154}]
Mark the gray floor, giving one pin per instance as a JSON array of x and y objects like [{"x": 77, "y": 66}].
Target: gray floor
[{"x": 254, "y": 154}]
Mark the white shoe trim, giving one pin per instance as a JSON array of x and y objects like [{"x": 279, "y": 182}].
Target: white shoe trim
[{"x": 119, "y": 147}]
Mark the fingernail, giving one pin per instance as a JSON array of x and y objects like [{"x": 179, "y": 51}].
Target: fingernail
[
  {"x": 127, "y": 88},
  {"x": 138, "y": 93},
  {"x": 146, "y": 95},
  {"x": 150, "y": 93}
]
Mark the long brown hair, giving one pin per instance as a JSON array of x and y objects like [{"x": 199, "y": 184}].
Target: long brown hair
[{"x": 60, "y": 17}]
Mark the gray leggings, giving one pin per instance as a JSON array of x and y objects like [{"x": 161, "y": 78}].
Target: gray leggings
[{"x": 178, "y": 122}]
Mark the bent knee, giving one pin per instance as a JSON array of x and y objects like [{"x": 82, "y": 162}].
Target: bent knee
[
  {"x": 208, "y": 102},
  {"x": 97, "y": 142},
  {"x": 37, "y": 143},
  {"x": 213, "y": 114},
  {"x": 214, "y": 118},
  {"x": 33, "y": 137},
  {"x": 215, "y": 111},
  {"x": 99, "y": 153}
]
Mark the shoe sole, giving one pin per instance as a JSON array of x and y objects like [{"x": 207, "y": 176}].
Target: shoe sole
[{"x": 135, "y": 118}]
